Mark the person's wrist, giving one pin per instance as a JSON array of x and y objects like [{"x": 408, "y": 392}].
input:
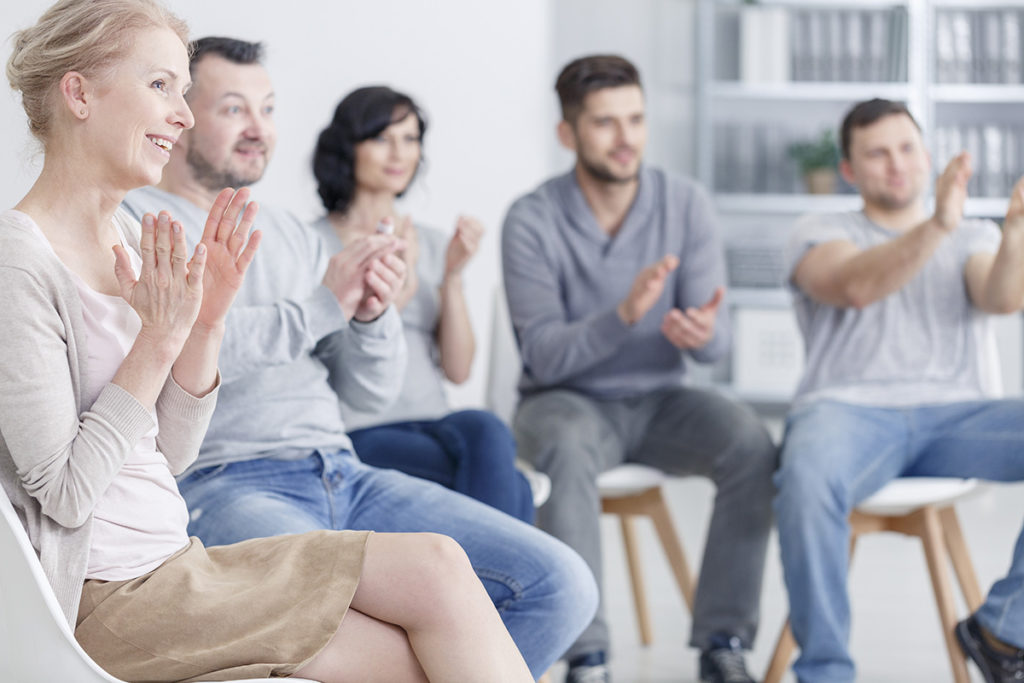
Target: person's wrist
[
  {"x": 625, "y": 314},
  {"x": 209, "y": 330},
  {"x": 452, "y": 280},
  {"x": 164, "y": 346}
]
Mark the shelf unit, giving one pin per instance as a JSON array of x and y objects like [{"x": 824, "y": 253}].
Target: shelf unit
[{"x": 754, "y": 105}]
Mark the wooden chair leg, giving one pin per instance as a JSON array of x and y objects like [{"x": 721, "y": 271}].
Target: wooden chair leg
[
  {"x": 935, "y": 551},
  {"x": 673, "y": 548},
  {"x": 785, "y": 646},
  {"x": 636, "y": 579},
  {"x": 961, "y": 559}
]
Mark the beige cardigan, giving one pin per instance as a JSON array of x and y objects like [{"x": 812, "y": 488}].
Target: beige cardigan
[{"x": 57, "y": 457}]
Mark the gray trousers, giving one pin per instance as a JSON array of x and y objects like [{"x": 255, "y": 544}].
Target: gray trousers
[{"x": 573, "y": 438}]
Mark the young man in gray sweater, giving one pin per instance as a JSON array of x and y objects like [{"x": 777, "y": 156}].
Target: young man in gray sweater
[
  {"x": 615, "y": 277},
  {"x": 305, "y": 329}
]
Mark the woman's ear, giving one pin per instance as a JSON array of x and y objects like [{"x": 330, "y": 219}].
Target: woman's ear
[{"x": 75, "y": 94}]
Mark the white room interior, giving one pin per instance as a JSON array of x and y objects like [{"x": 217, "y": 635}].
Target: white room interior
[{"x": 484, "y": 73}]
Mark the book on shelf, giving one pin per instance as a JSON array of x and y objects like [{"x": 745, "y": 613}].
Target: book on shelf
[
  {"x": 989, "y": 46},
  {"x": 978, "y": 45},
  {"x": 764, "y": 45},
  {"x": 877, "y": 32},
  {"x": 963, "y": 57},
  {"x": 1010, "y": 68},
  {"x": 990, "y": 180}
]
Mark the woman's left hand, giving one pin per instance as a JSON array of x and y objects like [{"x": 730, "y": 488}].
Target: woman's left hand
[
  {"x": 230, "y": 249},
  {"x": 463, "y": 244}
]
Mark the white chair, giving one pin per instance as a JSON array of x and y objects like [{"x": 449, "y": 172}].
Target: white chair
[
  {"x": 628, "y": 491},
  {"x": 36, "y": 643},
  {"x": 631, "y": 491},
  {"x": 920, "y": 507}
]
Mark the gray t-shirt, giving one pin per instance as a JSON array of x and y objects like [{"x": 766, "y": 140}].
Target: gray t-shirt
[
  {"x": 422, "y": 396},
  {"x": 926, "y": 343}
]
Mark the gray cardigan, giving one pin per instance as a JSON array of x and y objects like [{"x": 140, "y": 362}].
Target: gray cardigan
[{"x": 57, "y": 457}]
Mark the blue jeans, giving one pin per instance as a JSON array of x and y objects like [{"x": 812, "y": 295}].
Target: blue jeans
[
  {"x": 834, "y": 456},
  {"x": 469, "y": 451},
  {"x": 543, "y": 591}
]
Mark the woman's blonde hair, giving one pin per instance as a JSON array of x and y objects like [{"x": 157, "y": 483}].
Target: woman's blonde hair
[{"x": 87, "y": 36}]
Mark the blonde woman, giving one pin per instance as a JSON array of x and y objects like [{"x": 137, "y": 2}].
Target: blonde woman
[{"x": 111, "y": 333}]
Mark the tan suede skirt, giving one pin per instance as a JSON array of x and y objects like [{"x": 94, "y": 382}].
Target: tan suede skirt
[{"x": 257, "y": 609}]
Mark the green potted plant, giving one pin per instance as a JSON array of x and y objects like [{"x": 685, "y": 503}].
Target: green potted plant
[{"x": 818, "y": 160}]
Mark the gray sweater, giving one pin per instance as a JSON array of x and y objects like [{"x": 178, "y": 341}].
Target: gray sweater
[
  {"x": 564, "y": 278},
  {"x": 57, "y": 456},
  {"x": 288, "y": 352}
]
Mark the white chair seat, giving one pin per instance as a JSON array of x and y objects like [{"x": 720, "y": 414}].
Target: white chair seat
[
  {"x": 629, "y": 479},
  {"x": 904, "y": 495}
]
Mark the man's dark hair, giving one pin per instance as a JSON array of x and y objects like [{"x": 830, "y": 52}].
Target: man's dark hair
[
  {"x": 231, "y": 49},
  {"x": 584, "y": 75},
  {"x": 363, "y": 114},
  {"x": 866, "y": 113}
]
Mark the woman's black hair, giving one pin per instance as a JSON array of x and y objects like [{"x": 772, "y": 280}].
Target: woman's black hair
[{"x": 363, "y": 114}]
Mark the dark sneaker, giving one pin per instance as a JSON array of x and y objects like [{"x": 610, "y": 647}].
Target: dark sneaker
[
  {"x": 723, "y": 662},
  {"x": 589, "y": 668},
  {"x": 995, "y": 667}
]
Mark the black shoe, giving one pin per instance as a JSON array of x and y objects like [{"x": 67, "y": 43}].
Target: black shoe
[
  {"x": 995, "y": 667},
  {"x": 723, "y": 661},
  {"x": 589, "y": 668}
]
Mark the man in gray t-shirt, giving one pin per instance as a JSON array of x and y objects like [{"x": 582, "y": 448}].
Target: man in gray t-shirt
[
  {"x": 614, "y": 276},
  {"x": 894, "y": 304}
]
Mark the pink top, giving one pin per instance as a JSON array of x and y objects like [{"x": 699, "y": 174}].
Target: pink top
[{"x": 141, "y": 520}]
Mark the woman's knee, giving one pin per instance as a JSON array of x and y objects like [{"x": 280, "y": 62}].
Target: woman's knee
[{"x": 442, "y": 564}]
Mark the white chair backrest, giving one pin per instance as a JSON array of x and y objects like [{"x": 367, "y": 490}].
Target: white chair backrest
[
  {"x": 505, "y": 363},
  {"x": 36, "y": 643}
]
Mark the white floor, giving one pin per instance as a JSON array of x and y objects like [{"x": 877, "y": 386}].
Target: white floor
[{"x": 896, "y": 637}]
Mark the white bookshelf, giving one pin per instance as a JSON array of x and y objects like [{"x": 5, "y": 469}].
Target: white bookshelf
[{"x": 758, "y": 104}]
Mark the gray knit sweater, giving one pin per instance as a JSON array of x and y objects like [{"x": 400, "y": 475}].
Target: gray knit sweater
[
  {"x": 57, "y": 456},
  {"x": 564, "y": 278}
]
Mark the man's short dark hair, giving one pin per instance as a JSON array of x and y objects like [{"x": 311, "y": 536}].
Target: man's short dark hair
[
  {"x": 584, "y": 75},
  {"x": 231, "y": 49},
  {"x": 866, "y": 113}
]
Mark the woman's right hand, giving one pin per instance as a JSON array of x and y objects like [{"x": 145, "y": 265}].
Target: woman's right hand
[{"x": 169, "y": 289}]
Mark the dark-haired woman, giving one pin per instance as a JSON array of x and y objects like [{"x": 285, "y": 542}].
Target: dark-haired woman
[{"x": 364, "y": 160}]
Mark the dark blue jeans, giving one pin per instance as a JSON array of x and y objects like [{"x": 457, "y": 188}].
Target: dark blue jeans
[{"x": 470, "y": 451}]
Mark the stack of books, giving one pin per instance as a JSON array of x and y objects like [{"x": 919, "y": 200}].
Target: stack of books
[
  {"x": 978, "y": 45},
  {"x": 781, "y": 44}
]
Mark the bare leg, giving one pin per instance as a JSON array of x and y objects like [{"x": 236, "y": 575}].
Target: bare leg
[{"x": 422, "y": 587}]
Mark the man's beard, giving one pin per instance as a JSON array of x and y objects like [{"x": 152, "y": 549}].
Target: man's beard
[
  {"x": 212, "y": 178},
  {"x": 891, "y": 203},
  {"x": 602, "y": 174}
]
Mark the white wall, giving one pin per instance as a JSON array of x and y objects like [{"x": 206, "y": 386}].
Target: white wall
[{"x": 480, "y": 69}]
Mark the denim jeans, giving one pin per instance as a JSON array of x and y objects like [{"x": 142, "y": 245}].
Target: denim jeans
[
  {"x": 469, "y": 451},
  {"x": 834, "y": 456},
  {"x": 573, "y": 438},
  {"x": 543, "y": 591}
]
